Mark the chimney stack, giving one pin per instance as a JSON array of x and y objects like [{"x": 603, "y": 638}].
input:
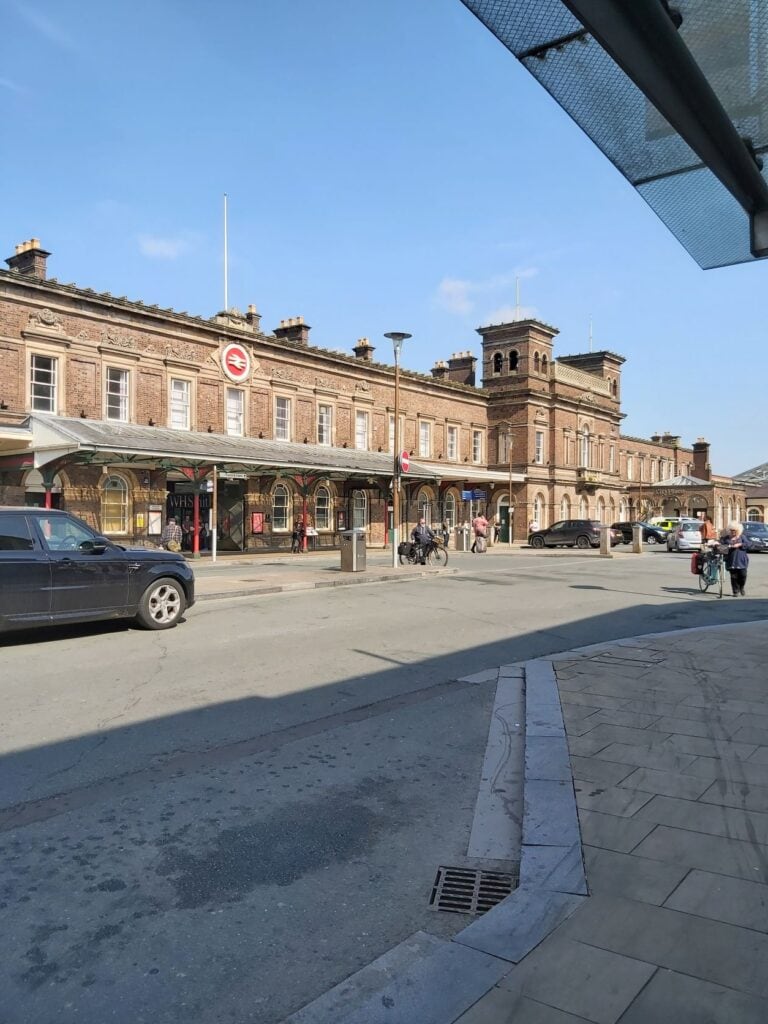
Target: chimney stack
[
  {"x": 29, "y": 259},
  {"x": 293, "y": 330},
  {"x": 364, "y": 350},
  {"x": 701, "y": 466},
  {"x": 461, "y": 368},
  {"x": 253, "y": 318},
  {"x": 440, "y": 369}
]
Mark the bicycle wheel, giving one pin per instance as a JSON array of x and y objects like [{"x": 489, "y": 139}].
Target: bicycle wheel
[
  {"x": 721, "y": 576},
  {"x": 438, "y": 556},
  {"x": 703, "y": 580}
]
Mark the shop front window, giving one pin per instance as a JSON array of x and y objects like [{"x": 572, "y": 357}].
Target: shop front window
[{"x": 359, "y": 510}]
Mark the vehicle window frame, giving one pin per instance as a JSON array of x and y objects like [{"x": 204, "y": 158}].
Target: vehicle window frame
[
  {"x": 38, "y": 521},
  {"x": 32, "y": 533}
]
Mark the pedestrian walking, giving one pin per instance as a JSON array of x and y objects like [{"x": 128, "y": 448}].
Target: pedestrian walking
[
  {"x": 446, "y": 534},
  {"x": 496, "y": 529},
  {"x": 708, "y": 532},
  {"x": 480, "y": 529},
  {"x": 737, "y": 559},
  {"x": 295, "y": 539},
  {"x": 171, "y": 536}
]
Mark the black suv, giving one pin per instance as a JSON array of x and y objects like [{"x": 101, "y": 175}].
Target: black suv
[
  {"x": 583, "y": 533},
  {"x": 651, "y": 534},
  {"x": 55, "y": 568}
]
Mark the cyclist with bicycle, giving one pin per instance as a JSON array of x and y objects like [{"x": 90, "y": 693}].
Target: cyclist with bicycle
[{"x": 421, "y": 535}]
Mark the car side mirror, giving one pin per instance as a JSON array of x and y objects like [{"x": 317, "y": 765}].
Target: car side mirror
[{"x": 97, "y": 546}]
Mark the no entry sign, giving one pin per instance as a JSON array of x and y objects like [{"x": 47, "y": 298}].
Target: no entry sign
[{"x": 405, "y": 461}]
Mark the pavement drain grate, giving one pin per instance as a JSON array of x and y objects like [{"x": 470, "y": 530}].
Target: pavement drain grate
[{"x": 470, "y": 891}]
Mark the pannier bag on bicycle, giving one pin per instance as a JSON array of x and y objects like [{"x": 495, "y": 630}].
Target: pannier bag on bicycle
[
  {"x": 406, "y": 548},
  {"x": 697, "y": 564}
]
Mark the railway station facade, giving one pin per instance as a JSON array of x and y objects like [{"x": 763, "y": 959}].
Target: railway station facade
[{"x": 123, "y": 413}]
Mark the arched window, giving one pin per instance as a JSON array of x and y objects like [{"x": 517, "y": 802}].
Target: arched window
[
  {"x": 565, "y": 507},
  {"x": 449, "y": 510},
  {"x": 322, "y": 509},
  {"x": 538, "y": 511},
  {"x": 280, "y": 506},
  {"x": 584, "y": 448},
  {"x": 720, "y": 524},
  {"x": 601, "y": 509},
  {"x": 498, "y": 362},
  {"x": 623, "y": 510},
  {"x": 543, "y": 364},
  {"x": 611, "y": 510},
  {"x": 753, "y": 516},
  {"x": 514, "y": 358},
  {"x": 583, "y": 508},
  {"x": 536, "y": 362},
  {"x": 114, "y": 505},
  {"x": 359, "y": 510}
]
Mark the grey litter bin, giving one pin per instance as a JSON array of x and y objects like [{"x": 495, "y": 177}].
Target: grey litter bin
[
  {"x": 461, "y": 538},
  {"x": 352, "y": 550}
]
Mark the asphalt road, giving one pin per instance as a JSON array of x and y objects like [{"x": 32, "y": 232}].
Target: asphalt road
[{"x": 219, "y": 822}]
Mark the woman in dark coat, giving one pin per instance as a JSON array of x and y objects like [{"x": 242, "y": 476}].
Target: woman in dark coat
[{"x": 737, "y": 559}]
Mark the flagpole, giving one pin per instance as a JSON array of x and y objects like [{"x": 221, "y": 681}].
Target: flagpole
[{"x": 226, "y": 274}]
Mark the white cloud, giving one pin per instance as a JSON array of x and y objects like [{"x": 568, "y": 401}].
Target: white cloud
[
  {"x": 155, "y": 248},
  {"x": 460, "y": 296},
  {"x": 45, "y": 26},
  {"x": 508, "y": 314}
]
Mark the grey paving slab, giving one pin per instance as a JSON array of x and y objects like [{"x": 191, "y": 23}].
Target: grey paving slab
[
  {"x": 708, "y": 727},
  {"x": 489, "y": 675},
  {"x": 689, "y": 787},
  {"x": 710, "y": 853},
  {"x": 496, "y": 825},
  {"x": 584, "y": 697},
  {"x": 541, "y": 684},
  {"x": 637, "y": 878},
  {"x": 733, "y": 900},
  {"x": 549, "y": 816},
  {"x": 625, "y": 734},
  {"x": 519, "y": 923},
  {"x": 658, "y": 707},
  {"x": 513, "y": 671},
  {"x": 737, "y": 771},
  {"x": 586, "y": 746},
  {"x": 711, "y": 950},
  {"x": 760, "y": 756},
  {"x": 709, "y": 747},
  {"x": 547, "y": 757},
  {"x": 433, "y": 989},
  {"x": 555, "y": 868},
  {"x": 629, "y": 719},
  {"x": 502, "y": 1007},
  {"x": 592, "y": 769},
  {"x": 643, "y": 757},
  {"x": 741, "y": 707},
  {"x": 544, "y": 720},
  {"x": 736, "y": 794},
  {"x": 674, "y": 998},
  {"x": 712, "y": 819},
  {"x": 611, "y": 833},
  {"x": 556, "y": 973},
  {"x": 610, "y": 799}
]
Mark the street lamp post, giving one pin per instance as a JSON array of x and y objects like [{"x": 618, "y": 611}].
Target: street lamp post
[{"x": 397, "y": 338}]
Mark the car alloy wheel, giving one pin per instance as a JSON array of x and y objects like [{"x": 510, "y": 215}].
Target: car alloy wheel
[{"x": 162, "y": 604}]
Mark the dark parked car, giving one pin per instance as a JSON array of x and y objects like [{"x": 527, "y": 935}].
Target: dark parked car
[
  {"x": 55, "y": 568},
  {"x": 651, "y": 534},
  {"x": 583, "y": 533},
  {"x": 757, "y": 536}
]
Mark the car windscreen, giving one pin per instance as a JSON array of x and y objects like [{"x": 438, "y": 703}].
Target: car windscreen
[{"x": 754, "y": 528}]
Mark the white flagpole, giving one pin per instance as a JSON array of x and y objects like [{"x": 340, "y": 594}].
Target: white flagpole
[{"x": 226, "y": 288}]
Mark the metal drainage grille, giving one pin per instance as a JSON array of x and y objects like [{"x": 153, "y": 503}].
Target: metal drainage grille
[{"x": 468, "y": 891}]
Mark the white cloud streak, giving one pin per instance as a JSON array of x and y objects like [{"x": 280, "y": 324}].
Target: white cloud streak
[
  {"x": 6, "y": 83},
  {"x": 44, "y": 26},
  {"x": 156, "y": 248},
  {"x": 460, "y": 296}
]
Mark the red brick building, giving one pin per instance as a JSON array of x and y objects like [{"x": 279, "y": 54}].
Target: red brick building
[{"x": 120, "y": 411}]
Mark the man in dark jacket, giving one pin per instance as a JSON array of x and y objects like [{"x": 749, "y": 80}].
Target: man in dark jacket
[{"x": 421, "y": 535}]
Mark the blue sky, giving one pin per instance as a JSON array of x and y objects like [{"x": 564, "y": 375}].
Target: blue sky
[{"x": 389, "y": 166}]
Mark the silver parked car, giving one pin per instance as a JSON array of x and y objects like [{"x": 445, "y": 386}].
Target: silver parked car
[{"x": 686, "y": 536}]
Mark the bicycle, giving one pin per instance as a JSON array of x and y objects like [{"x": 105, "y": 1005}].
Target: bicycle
[
  {"x": 713, "y": 569},
  {"x": 434, "y": 553}
]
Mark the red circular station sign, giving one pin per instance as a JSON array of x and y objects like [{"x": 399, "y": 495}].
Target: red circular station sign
[
  {"x": 405, "y": 461},
  {"x": 236, "y": 363}
]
